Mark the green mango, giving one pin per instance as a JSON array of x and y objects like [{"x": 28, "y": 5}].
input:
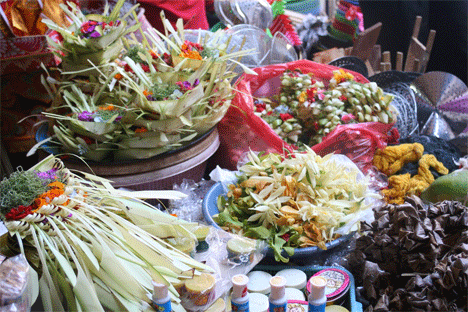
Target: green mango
[{"x": 453, "y": 186}]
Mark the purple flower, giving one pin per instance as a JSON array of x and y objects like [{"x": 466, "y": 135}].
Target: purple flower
[
  {"x": 88, "y": 27},
  {"x": 85, "y": 116},
  {"x": 94, "y": 34},
  {"x": 118, "y": 118},
  {"x": 187, "y": 85},
  {"x": 47, "y": 175}
]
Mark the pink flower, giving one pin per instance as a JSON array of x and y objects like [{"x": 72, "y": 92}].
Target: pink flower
[
  {"x": 320, "y": 95},
  {"x": 347, "y": 118}
]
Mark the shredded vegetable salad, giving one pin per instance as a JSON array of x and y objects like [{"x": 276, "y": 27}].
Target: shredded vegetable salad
[{"x": 301, "y": 200}]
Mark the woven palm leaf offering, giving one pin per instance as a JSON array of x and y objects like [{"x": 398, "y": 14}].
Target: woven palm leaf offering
[
  {"x": 92, "y": 124},
  {"x": 295, "y": 201},
  {"x": 94, "y": 247},
  {"x": 89, "y": 39},
  {"x": 151, "y": 99},
  {"x": 183, "y": 88}
]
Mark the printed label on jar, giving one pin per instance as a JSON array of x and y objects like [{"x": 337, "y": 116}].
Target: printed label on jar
[
  {"x": 240, "y": 307},
  {"x": 165, "y": 307},
  {"x": 317, "y": 308},
  {"x": 278, "y": 307}
]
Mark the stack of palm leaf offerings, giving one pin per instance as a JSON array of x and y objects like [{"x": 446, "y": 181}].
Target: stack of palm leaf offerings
[
  {"x": 118, "y": 98},
  {"x": 93, "y": 246}
]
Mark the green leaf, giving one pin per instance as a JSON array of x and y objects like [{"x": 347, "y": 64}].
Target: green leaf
[
  {"x": 259, "y": 232},
  {"x": 225, "y": 218},
  {"x": 277, "y": 245},
  {"x": 289, "y": 250}
]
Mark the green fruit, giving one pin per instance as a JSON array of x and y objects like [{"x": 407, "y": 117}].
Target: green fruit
[{"x": 453, "y": 186}]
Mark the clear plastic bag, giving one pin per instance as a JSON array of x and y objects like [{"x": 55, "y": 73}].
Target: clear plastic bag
[
  {"x": 199, "y": 292},
  {"x": 227, "y": 254},
  {"x": 14, "y": 290}
]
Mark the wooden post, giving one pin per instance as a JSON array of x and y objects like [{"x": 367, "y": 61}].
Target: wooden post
[
  {"x": 375, "y": 57},
  {"x": 399, "y": 61},
  {"x": 416, "y": 50},
  {"x": 386, "y": 59},
  {"x": 417, "y": 26}
]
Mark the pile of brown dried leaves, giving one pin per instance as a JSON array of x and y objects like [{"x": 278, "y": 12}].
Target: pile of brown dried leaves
[{"x": 414, "y": 257}]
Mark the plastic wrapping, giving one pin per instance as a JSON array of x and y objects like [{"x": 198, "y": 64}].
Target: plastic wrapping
[
  {"x": 189, "y": 208},
  {"x": 199, "y": 292},
  {"x": 241, "y": 130},
  {"x": 14, "y": 290},
  {"x": 358, "y": 141},
  {"x": 227, "y": 254}
]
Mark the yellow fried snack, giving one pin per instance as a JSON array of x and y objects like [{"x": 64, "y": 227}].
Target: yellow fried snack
[
  {"x": 430, "y": 161},
  {"x": 404, "y": 185},
  {"x": 392, "y": 158}
]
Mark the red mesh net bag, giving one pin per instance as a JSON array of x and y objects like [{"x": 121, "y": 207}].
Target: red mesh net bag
[{"x": 241, "y": 130}]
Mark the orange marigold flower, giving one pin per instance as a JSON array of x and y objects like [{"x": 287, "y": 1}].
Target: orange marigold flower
[
  {"x": 54, "y": 193},
  {"x": 153, "y": 54},
  {"x": 118, "y": 76},
  {"x": 108, "y": 107},
  {"x": 56, "y": 184},
  {"x": 146, "y": 92},
  {"x": 191, "y": 55},
  {"x": 141, "y": 130},
  {"x": 39, "y": 202}
]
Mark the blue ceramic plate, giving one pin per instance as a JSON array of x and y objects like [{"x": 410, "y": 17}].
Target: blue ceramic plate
[{"x": 210, "y": 208}]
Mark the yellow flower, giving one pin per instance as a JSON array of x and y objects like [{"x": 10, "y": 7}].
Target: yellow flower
[
  {"x": 302, "y": 97},
  {"x": 340, "y": 75}
]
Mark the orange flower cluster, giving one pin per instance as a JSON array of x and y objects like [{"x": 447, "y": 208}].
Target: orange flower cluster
[
  {"x": 141, "y": 130},
  {"x": 191, "y": 50},
  {"x": 56, "y": 189},
  {"x": 108, "y": 107},
  {"x": 191, "y": 55}
]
